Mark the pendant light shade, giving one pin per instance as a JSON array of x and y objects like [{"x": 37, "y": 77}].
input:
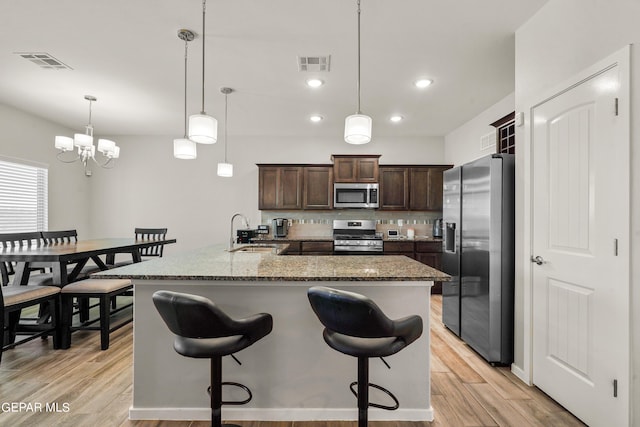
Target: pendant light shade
[
  {"x": 63, "y": 143},
  {"x": 184, "y": 149},
  {"x": 82, "y": 140},
  {"x": 203, "y": 129},
  {"x": 357, "y": 129},
  {"x": 225, "y": 170}
]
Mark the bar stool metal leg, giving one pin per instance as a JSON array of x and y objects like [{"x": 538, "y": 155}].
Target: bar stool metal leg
[{"x": 363, "y": 391}]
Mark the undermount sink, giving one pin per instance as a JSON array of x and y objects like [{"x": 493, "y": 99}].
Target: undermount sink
[{"x": 254, "y": 248}]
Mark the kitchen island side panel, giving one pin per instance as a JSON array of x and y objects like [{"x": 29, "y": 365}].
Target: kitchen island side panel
[{"x": 293, "y": 373}]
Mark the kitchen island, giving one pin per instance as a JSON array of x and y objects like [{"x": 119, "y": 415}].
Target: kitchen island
[{"x": 293, "y": 374}]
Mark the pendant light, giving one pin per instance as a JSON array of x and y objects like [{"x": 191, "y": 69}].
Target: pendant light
[
  {"x": 183, "y": 148},
  {"x": 357, "y": 127},
  {"x": 225, "y": 169},
  {"x": 202, "y": 127}
]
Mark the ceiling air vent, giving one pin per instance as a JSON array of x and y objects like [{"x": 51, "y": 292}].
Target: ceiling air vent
[
  {"x": 44, "y": 60},
  {"x": 314, "y": 63}
]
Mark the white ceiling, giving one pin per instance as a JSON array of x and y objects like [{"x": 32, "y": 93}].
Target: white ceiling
[{"x": 128, "y": 55}]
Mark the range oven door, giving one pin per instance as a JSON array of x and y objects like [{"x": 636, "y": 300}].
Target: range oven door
[{"x": 355, "y": 250}]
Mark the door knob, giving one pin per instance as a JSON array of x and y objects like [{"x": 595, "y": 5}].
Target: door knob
[{"x": 538, "y": 260}]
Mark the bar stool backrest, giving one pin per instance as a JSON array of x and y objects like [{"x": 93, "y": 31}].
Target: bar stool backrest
[{"x": 349, "y": 313}]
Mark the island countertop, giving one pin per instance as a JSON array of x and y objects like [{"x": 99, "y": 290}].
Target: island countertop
[{"x": 216, "y": 263}]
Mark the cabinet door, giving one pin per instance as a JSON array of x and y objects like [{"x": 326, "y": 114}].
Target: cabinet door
[
  {"x": 355, "y": 168},
  {"x": 426, "y": 188},
  {"x": 290, "y": 196},
  {"x": 394, "y": 188},
  {"x": 344, "y": 169},
  {"x": 268, "y": 188},
  {"x": 318, "y": 187},
  {"x": 367, "y": 170},
  {"x": 279, "y": 187}
]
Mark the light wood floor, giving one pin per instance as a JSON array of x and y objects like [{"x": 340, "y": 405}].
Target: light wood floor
[{"x": 96, "y": 385}]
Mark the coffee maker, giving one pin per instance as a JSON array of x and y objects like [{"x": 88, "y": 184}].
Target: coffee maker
[
  {"x": 280, "y": 227},
  {"x": 437, "y": 228}
]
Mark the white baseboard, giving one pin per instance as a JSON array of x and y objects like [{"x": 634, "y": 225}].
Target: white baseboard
[
  {"x": 518, "y": 372},
  {"x": 279, "y": 414}
]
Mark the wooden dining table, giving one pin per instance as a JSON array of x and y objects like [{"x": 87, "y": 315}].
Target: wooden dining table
[{"x": 59, "y": 256}]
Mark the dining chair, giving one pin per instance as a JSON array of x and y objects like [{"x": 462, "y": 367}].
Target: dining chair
[
  {"x": 17, "y": 241},
  {"x": 13, "y": 299},
  {"x": 148, "y": 234},
  {"x": 151, "y": 251}
]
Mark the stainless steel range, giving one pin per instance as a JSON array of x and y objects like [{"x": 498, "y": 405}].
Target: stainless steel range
[{"x": 356, "y": 237}]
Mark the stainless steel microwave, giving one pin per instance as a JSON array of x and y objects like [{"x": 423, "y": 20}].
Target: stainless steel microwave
[{"x": 347, "y": 195}]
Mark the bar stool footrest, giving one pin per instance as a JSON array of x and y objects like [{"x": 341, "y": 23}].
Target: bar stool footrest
[
  {"x": 382, "y": 389},
  {"x": 234, "y": 402}
]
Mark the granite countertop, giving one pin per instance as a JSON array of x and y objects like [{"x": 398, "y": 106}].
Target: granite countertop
[{"x": 216, "y": 263}]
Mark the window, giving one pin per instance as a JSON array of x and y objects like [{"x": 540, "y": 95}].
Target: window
[{"x": 23, "y": 197}]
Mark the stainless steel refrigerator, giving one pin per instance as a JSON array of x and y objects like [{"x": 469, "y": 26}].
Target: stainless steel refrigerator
[{"x": 478, "y": 252}]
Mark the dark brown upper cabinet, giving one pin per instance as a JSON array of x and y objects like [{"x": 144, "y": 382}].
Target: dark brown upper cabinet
[
  {"x": 394, "y": 188},
  {"x": 355, "y": 168},
  {"x": 279, "y": 187},
  {"x": 425, "y": 183},
  {"x": 506, "y": 134},
  {"x": 318, "y": 187}
]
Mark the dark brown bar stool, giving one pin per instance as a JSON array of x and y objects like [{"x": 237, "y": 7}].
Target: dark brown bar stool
[
  {"x": 356, "y": 326},
  {"x": 204, "y": 331}
]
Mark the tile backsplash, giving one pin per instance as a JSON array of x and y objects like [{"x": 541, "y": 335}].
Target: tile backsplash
[{"x": 310, "y": 223}]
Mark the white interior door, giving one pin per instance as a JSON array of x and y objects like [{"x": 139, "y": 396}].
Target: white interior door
[{"x": 580, "y": 219}]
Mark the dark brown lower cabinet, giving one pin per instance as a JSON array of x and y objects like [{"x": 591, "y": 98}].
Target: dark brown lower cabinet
[
  {"x": 430, "y": 253},
  {"x": 316, "y": 248}
]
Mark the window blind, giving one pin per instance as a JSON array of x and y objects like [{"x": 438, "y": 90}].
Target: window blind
[{"x": 23, "y": 197}]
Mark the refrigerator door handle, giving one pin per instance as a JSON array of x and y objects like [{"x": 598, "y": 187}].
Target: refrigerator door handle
[{"x": 450, "y": 237}]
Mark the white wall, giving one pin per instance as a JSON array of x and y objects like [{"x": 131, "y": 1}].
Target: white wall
[
  {"x": 463, "y": 144},
  {"x": 31, "y": 138},
  {"x": 563, "y": 38},
  {"x": 149, "y": 188}
]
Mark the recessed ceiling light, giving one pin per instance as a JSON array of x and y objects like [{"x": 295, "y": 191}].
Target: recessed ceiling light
[
  {"x": 314, "y": 82},
  {"x": 396, "y": 118},
  {"x": 316, "y": 118},
  {"x": 423, "y": 83}
]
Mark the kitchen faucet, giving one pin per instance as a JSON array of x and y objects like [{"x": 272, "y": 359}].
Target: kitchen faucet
[{"x": 246, "y": 224}]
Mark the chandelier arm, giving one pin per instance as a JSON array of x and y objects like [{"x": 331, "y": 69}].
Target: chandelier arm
[
  {"x": 58, "y": 156},
  {"x": 108, "y": 164}
]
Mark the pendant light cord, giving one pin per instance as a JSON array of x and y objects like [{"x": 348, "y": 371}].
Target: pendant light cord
[
  {"x": 204, "y": 8},
  {"x": 225, "y": 127},
  {"x": 186, "y": 50},
  {"x": 358, "y": 81}
]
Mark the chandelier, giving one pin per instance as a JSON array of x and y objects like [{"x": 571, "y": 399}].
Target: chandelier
[{"x": 83, "y": 142}]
